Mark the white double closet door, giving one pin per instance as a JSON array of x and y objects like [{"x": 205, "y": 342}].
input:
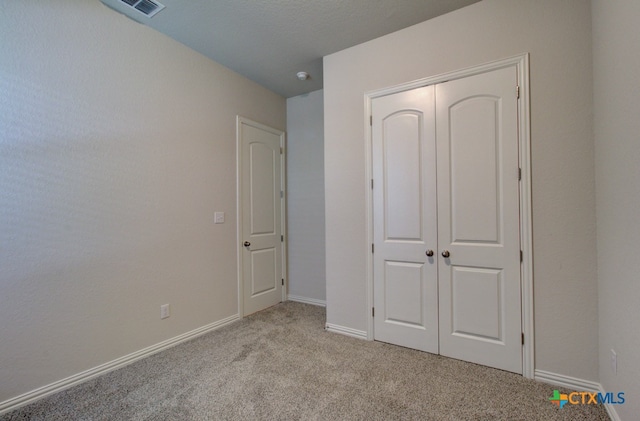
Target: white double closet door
[{"x": 446, "y": 219}]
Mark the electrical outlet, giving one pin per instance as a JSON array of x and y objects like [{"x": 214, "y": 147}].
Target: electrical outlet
[
  {"x": 165, "y": 311},
  {"x": 614, "y": 362}
]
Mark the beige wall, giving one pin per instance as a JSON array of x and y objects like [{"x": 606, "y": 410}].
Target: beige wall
[
  {"x": 558, "y": 37},
  {"x": 117, "y": 145},
  {"x": 305, "y": 197},
  {"x": 616, "y": 40}
]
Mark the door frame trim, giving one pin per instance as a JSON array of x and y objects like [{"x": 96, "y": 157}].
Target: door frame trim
[
  {"x": 521, "y": 62},
  {"x": 283, "y": 205}
]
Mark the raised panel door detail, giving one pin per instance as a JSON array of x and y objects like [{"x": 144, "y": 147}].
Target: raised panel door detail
[
  {"x": 263, "y": 269},
  {"x": 476, "y": 303},
  {"x": 474, "y": 148},
  {"x": 402, "y": 176},
  {"x": 263, "y": 186},
  {"x": 403, "y": 292}
]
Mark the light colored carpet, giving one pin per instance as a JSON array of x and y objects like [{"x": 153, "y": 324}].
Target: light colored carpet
[{"x": 280, "y": 364}]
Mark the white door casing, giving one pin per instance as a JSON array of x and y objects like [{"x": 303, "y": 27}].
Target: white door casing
[
  {"x": 260, "y": 216},
  {"x": 404, "y": 172},
  {"x": 498, "y": 330},
  {"x": 478, "y": 219}
]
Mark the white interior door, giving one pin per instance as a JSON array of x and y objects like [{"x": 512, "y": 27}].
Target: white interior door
[
  {"x": 478, "y": 219},
  {"x": 261, "y": 215},
  {"x": 404, "y": 174},
  {"x": 445, "y": 170}
]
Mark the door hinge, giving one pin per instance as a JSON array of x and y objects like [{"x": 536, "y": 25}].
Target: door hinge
[
  {"x": 281, "y": 151},
  {"x": 372, "y": 184},
  {"x": 373, "y": 312},
  {"x": 281, "y": 194},
  {"x": 521, "y": 256},
  {"x": 518, "y": 91},
  {"x": 282, "y": 238},
  {"x": 282, "y": 281},
  {"x": 372, "y": 248},
  {"x": 519, "y": 173},
  {"x": 522, "y": 338},
  {"x": 370, "y": 120}
]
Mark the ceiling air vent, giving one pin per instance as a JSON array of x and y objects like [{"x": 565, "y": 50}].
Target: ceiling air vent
[{"x": 146, "y": 7}]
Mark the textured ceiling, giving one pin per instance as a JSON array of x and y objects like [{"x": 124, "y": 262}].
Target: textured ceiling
[{"x": 269, "y": 41}]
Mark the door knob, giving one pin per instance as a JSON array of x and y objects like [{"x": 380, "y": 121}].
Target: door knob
[
  {"x": 446, "y": 254},
  {"x": 429, "y": 253},
  {"x": 247, "y": 244}
]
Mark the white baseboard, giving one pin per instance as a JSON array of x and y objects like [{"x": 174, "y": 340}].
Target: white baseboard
[
  {"x": 611, "y": 411},
  {"x": 574, "y": 383},
  {"x": 360, "y": 334},
  {"x": 41, "y": 392},
  {"x": 306, "y": 300}
]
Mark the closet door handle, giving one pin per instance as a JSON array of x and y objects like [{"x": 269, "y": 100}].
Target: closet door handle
[
  {"x": 429, "y": 253},
  {"x": 247, "y": 244},
  {"x": 446, "y": 254}
]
